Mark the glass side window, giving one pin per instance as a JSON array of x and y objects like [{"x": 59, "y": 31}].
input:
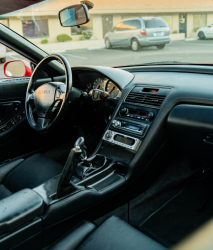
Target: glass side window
[
  {"x": 199, "y": 21},
  {"x": 155, "y": 23},
  {"x": 131, "y": 24},
  {"x": 7, "y": 54},
  {"x": 118, "y": 27}
]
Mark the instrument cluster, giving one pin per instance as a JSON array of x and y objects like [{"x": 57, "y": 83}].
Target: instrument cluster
[
  {"x": 105, "y": 84},
  {"x": 92, "y": 80}
]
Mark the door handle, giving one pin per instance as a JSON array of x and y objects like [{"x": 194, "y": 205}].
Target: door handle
[{"x": 7, "y": 110}]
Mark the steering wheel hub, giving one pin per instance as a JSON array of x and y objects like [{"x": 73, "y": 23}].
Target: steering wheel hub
[{"x": 44, "y": 97}]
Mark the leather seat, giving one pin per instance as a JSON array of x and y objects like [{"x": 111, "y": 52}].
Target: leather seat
[
  {"x": 29, "y": 173},
  {"x": 113, "y": 234}
]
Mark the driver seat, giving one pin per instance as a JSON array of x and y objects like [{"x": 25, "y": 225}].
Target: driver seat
[{"x": 29, "y": 173}]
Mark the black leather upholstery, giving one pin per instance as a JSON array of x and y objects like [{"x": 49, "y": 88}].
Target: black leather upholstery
[
  {"x": 31, "y": 173},
  {"x": 5, "y": 169},
  {"x": 4, "y": 192},
  {"x": 19, "y": 208},
  {"x": 73, "y": 239},
  {"x": 113, "y": 234}
]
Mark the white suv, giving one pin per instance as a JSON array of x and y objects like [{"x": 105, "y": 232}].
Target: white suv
[{"x": 2, "y": 53}]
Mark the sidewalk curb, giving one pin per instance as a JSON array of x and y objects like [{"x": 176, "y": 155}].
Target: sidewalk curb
[
  {"x": 191, "y": 39},
  {"x": 95, "y": 48}
]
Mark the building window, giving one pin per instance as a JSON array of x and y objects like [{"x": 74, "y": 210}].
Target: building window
[
  {"x": 35, "y": 29},
  {"x": 168, "y": 20},
  {"x": 199, "y": 20},
  {"x": 78, "y": 31}
]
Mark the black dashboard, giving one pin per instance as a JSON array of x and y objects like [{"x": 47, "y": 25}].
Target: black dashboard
[{"x": 154, "y": 92}]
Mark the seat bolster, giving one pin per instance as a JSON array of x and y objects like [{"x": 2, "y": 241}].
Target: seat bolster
[
  {"x": 6, "y": 168},
  {"x": 115, "y": 234},
  {"x": 4, "y": 192},
  {"x": 74, "y": 238}
]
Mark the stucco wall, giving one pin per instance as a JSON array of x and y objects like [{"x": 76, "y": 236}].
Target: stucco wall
[
  {"x": 97, "y": 27},
  {"x": 209, "y": 19},
  {"x": 190, "y": 28}
]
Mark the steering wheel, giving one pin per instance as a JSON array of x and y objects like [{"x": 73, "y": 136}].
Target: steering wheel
[{"x": 50, "y": 99}]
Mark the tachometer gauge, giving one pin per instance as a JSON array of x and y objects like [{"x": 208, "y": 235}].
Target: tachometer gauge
[
  {"x": 112, "y": 89},
  {"x": 99, "y": 84}
]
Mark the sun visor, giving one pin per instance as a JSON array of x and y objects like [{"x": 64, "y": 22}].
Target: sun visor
[{"x": 8, "y": 6}]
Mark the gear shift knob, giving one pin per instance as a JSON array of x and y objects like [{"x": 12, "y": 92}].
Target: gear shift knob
[{"x": 80, "y": 143}]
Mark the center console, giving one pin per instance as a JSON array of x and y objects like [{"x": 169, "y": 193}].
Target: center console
[
  {"x": 132, "y": 122},
  {"x": 130, "y": 126}
]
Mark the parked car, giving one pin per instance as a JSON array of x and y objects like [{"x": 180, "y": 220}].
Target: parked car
[
  {"x": 205, "y": 32},
  {"x": 2, "y": 53},
  {"x": 137, "y": 32}
]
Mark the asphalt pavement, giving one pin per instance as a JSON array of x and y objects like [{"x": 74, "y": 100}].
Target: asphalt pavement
[{"x": 191, "y": 51}]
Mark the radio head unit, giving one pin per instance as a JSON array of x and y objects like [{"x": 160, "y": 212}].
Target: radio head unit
[
  {"x": 139, "y": 129},
  {"x": 122, "y": 140}
]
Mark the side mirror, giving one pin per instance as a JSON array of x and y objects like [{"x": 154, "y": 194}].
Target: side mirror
[
  {"x": 17, "y": 68},
  {"x": 74, "y": 15}
]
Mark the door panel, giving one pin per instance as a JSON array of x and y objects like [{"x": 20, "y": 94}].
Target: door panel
[
  {"x": 19, "y": 138},
  {"x": 209, "y": 31}
]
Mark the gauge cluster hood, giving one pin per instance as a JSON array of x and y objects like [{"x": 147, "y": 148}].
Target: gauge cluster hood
[{"x": 121, "y": 77}]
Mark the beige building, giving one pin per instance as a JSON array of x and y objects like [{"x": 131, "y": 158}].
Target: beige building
[{"x": 41, "y": 21}]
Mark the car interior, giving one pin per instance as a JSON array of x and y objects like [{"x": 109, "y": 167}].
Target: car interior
[{"x": 95, "y": 157}]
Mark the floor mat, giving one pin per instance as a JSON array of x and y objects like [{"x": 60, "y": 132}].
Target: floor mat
[
  {"x": 189, "y": 208},
  {"x": 168, "y": 184}
]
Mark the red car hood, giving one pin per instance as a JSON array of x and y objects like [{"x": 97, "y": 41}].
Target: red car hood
[{"x": 12, "y": 5}]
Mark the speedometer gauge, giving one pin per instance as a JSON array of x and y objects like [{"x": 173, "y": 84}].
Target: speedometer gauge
[
  {"x": 99, "y": 84},
  {"x": 112, "y": 89}
]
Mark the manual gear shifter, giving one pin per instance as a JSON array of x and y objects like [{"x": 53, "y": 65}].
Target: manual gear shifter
[
  {"x": 80, "y": 143},
  {"x": 65, "y": 186}
]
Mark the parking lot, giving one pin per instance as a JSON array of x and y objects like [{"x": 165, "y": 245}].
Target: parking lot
[{"x": 193, "y": 51}]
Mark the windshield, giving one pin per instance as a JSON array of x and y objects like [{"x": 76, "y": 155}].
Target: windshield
[{"x": 121, "y": 32}]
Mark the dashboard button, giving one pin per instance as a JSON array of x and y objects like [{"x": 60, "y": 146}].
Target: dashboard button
[{"x": 108, "y": 135}]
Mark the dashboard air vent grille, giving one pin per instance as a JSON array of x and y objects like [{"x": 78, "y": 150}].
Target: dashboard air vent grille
[{"x": 145, "y": 99}]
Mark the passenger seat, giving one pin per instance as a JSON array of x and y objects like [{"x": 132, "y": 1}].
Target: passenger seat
[{"x": 113, "y": 234}]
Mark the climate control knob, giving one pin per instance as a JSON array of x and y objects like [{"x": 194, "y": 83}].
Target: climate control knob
[
  {"x": 116, "y": 123},
  {"x": 124, "y": 111},
  {"x": 150, "y": 115}
]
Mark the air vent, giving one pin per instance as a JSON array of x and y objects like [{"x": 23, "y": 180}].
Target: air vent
[{"x": 137, "y": 96}]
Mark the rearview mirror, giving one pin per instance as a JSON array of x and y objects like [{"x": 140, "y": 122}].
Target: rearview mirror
[
  {"x": 17, "y": 68},
  {"x": 74, "y": 15}
]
